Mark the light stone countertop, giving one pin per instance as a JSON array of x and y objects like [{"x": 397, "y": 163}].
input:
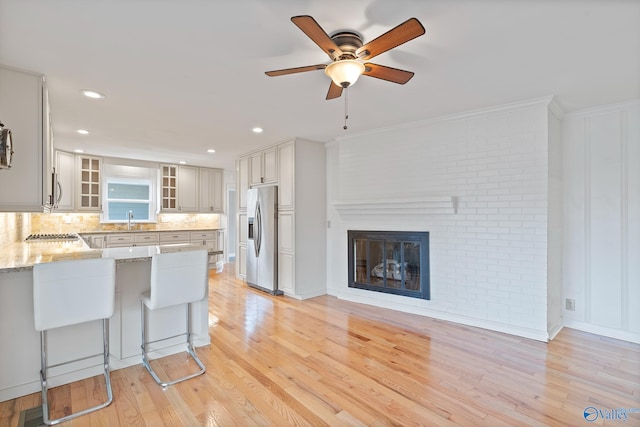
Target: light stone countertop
[{"x": 22, "y": 256}]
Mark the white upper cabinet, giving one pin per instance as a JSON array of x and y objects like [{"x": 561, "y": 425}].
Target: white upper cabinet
[
  {"x": 179, "y": 189},
  {"x": 65, "y": 170},
  {"x": 89, "y": 182},
  {"x": 242, "y": 176},
  {"x": 211, "y": 190},
  {"x": 263, "y": 167},
  {"x": 26, "y": 186},
  {"x": 78, "y": 182},
  {"x": 286, "y": 165},
  {"x": 188, "y": 189}
]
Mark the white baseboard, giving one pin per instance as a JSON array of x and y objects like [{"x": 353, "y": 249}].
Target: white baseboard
[
  {"x": 307, "y": 295},
  {"x": 538, "y": 335},
  {"x": 604, "y": 331},
  {"x": 555, "y": 331}
]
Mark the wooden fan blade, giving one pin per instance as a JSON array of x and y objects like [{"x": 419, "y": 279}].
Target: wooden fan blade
[
  {"x": 408, "y": 30},
  {"x": 387, "y": 73},
  {"x": 286, "y": 71},
  {"x": 335, "y": 91},
  {"x": 314, "y": 31}
]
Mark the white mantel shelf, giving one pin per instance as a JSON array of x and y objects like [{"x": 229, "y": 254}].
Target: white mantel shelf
[{"x": 423, "y": 205}]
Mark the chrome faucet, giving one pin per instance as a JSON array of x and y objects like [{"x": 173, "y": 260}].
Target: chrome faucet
[{"x": 130, "y": 221}]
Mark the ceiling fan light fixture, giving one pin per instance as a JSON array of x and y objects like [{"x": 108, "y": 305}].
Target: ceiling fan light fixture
[{"x": 345, "y": 72}]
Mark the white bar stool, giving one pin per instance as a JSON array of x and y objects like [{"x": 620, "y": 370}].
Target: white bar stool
[
  {"x": 67, "y": 293},
  {"x": 176, "y": 278}
]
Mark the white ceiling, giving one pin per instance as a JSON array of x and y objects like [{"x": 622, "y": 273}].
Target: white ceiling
[{"x": 182, "y": 76}]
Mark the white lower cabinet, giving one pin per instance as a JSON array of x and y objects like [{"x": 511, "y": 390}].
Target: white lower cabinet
[
  {"x": 98, "y": 242},
  {"x": 220, "y": 245},
  {"x": 146, "y": 239},
  {"x": 95, "y": 241},
  {"x": 208, "y": 239},
  {"x": 174, "y": 237},
  {"x": 120, "y": 240},
  {"x": 286, "y": 273},
  {"x": 211, "y": 239},
  {"x": 241, "y": 267},
  {"x": 242, "y": 261},
  {"x": 286, "y": 252}
]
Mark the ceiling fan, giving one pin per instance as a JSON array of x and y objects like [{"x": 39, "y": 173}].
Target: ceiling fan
[{"x": 348, "y": 53}]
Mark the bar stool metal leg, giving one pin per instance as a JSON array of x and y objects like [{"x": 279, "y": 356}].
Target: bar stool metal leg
[
  {"x": 45, "y": 387},
  {"x": 190, "y": 350}
]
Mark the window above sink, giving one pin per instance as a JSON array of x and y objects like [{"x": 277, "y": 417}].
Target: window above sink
[{"x": 129, "y": 199}]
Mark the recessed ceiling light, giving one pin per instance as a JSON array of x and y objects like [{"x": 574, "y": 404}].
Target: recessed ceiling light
[
  {"x": 257, "y": 130},
  {"x": 182, "y": 162},
  {"x": 78, "y": 150},
  {"x": 211, "y": 150},
  {"x": 92, "y": 94},
  {"x": 83, "y": 131}
]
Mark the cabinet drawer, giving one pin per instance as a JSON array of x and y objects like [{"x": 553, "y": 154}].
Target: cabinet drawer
[
  {"x": 146, "y": 238},
  {"x": 120, "y": 239},
  {"x": 174, "y": 237},
  {"x": 203, "y": 235}
]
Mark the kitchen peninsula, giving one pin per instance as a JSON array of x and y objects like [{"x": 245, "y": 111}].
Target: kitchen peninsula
[{"x": 20, "y": 359}]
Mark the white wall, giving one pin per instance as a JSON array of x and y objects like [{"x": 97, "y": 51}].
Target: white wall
[
  {"x": 554, "y": 227},
  {"x": 601, "y": 267},
  {"x": 488, "y": 260}
]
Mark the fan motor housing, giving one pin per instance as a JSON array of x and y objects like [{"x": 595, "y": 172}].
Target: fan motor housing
[{"x": 348, "y": 42}]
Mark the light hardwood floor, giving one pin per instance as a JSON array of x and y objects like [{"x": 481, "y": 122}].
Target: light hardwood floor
[{"x": 278, "y": 361}]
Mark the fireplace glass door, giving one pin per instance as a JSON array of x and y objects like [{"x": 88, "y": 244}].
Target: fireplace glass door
[{"x": 391, "y": 262}]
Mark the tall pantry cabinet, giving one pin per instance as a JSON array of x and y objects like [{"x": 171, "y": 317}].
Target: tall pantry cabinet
[{"x": 300, "y": 166}]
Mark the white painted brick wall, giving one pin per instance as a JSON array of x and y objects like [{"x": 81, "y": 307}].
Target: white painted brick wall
[{"x": 489, "y": 260}]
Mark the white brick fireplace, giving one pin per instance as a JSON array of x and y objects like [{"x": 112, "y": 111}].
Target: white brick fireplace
[
  {"x": 486, "y": 185},
  {"x": 534, "y": 218}
]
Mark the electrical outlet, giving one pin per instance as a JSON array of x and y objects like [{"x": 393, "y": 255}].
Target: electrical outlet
[{"x": 570, "y": 304}]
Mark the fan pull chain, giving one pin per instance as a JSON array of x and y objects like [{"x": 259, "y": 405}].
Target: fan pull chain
[{"x": 346, "y": 107}]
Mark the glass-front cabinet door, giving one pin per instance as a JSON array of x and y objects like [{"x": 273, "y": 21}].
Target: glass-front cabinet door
[
  {"x": 169, "y": 188},
  {"x": 89, "y": 189}
]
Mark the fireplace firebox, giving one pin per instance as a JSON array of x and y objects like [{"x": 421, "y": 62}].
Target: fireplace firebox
[{"x": 394, "y": 262}]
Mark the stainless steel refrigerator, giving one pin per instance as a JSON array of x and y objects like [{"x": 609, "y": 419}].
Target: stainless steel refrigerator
[{"x": 262, "y": 239}]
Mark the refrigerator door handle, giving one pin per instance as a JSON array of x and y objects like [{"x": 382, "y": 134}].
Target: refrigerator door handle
[{"x": 258, "y": 238}]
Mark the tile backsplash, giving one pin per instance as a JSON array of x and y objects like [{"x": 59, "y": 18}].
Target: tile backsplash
[
  {"x": 90, "y": 222},
  {"x": 13, "y": 227}
]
